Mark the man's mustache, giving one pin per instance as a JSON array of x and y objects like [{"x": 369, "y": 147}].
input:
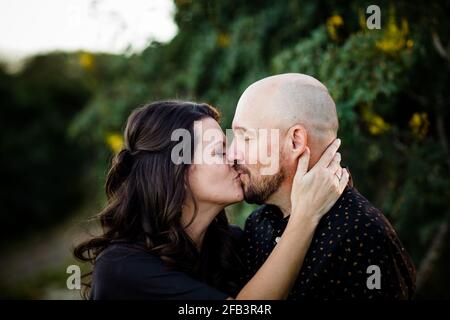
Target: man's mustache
[{"x": 241, "y": 168}]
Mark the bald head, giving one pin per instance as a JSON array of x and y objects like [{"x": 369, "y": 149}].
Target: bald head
[
  {"x": 302, "y": 110},
  {"x": 284, "y": 100}
]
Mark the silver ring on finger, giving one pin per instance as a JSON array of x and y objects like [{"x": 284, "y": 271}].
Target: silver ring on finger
[{"x": 337, "y": 175}]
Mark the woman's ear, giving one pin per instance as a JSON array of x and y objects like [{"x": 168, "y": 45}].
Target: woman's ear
[{"x": 298, "y": 139}]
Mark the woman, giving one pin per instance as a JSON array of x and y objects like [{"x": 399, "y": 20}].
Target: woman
[{"x": 165, "y": 232}]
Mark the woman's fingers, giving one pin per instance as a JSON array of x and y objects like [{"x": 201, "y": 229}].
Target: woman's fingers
[
  {"x": 339, "y": 173},
  {"x": 303, "y": 163},
  {"x": 335, "y": 164},
  {"x": 315, "y": 191},
  {"x": 344, "y": 180},
  {"x": 328, "y": 155}
]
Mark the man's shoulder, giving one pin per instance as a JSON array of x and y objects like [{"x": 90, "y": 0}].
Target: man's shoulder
[
  {"x": 352, "y": 208},
  {"x": 355, "y": 217},
  {"x": 258, "y": 215}
]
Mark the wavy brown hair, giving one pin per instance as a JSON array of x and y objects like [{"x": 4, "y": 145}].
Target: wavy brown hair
[{"x": 145, "y": 192}]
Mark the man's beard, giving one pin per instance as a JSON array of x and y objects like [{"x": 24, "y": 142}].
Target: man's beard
[{"x": 259, "y": 191}]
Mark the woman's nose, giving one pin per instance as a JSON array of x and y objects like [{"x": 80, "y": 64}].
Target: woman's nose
[{"x": 233, "y": 153}]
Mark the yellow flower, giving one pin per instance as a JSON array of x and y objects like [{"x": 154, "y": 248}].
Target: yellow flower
[
  {"x": 336, "y": 20},
  {"x": 362, "y": 19},
  {"x": 114, "y": 142},
  {"x": 333, "y": 23},
  {"x": 223, "y": 40},
  {"x": 375, "y": 123},
  {"x": 86, "y": 60},
  {"x": 394, "y": 36},
  {"x": 419, "y": 125},
  {"x": 409, "y": 43}
]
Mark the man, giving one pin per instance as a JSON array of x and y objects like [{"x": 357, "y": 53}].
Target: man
[{"x": 355, "y": 253}]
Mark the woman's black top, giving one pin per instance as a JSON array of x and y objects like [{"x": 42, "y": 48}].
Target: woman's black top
[
  {"x": 127, "y": 272},
  {"x": 124, "y": 271}
]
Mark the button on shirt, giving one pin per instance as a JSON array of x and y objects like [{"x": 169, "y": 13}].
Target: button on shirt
[{"x": 352, "y": 236}]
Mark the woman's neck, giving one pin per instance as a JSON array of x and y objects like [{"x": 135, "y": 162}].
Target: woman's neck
[{"x": 205, "y": 215}]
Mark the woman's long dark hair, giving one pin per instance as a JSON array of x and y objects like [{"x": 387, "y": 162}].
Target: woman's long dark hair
[{"x": 146, "y": 190}]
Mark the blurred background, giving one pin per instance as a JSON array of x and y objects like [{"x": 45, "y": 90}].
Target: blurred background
[{"x": 72, "y": 71}]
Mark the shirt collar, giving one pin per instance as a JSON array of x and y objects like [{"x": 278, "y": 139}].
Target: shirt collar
[{"x": 270, "y": 211}]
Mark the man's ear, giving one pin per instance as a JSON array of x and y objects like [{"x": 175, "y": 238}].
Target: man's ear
[{"x": 298, "y": 139}]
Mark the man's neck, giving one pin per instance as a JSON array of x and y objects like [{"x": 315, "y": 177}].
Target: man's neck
[{"x": 282, "y": 199}]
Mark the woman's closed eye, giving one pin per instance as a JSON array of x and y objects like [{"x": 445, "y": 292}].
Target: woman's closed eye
[{"x": 219, "y": 154}]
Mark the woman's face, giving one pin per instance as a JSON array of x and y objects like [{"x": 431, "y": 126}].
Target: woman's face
[{"x": 211, "y": 178}]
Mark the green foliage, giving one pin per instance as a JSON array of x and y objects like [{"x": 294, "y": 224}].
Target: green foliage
[
  {"x": 390, "y": 87},
  {"x": 37, "y": 157}
]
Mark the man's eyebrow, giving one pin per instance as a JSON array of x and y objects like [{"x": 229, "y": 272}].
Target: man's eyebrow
[
  {"x": 240, "y": 128},
  {"x": 245, "y": 131}
]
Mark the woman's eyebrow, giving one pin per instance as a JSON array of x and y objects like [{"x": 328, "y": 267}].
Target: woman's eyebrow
[{"x": 238, "y": 128}]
